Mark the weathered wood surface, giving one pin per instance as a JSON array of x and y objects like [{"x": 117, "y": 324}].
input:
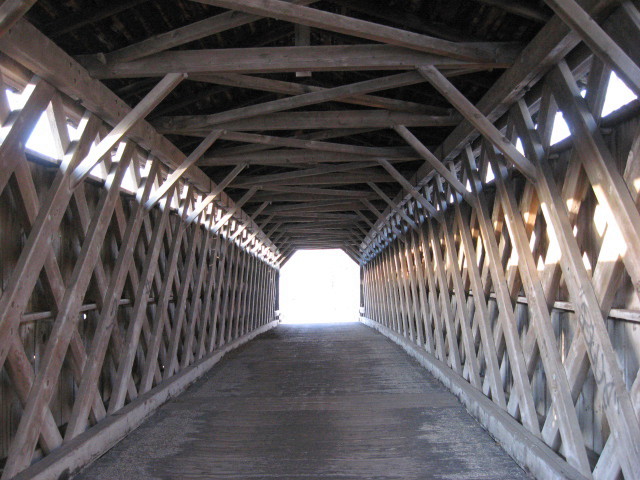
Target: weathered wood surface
[{"x": 311, "y": 402}]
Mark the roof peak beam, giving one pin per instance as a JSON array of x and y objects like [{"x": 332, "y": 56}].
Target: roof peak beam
[{"x": 376, "y": 32}]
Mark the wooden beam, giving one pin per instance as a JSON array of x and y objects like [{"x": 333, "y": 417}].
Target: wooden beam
[
  {"x": 355, "y": 27},
  {"x": 292, "y": 88},
  {"x": 281, "y": 59},
  {"x": 478, "y": 120},
  {"x": 437, "y": 165},
  {"x": 609, "y": 186},
  {"x": 618, "y": 406},
  {"x": 392, "y": 205},
  {"x": 11, "y": 11},
  {"x": 309, "y": 120},
  {"x": 552, "y": 43},
  {"x": 406, "y": 184},
  {"x": 232, "y": 211},
  {"x": 199, "y": 208},
  {"x": 297, "y": 175},
  {"x": 31, "y": 49},
  {"x": 183, "y": 35},
  {"x": 22, "y": 449},
  {"x": 598, "y": 40},
  {"x": 141, "y": 110},
  {"x": 314, "y": 145},
  {"x": 179, "y": 172},
  {"x": 313, "y": 98}
]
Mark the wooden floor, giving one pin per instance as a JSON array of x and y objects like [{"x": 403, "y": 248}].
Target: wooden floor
[{"x": 337, "y": 401}]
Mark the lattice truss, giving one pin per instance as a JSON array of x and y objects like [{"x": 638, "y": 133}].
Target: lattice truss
[
  {"x": 506, "y": 267},
  {"x": 108, "y": 292}
]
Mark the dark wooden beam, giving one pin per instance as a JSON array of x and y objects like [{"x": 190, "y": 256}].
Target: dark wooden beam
[
  {"x": 281, "y": 59},
  {"x": 309, "y": 120}
]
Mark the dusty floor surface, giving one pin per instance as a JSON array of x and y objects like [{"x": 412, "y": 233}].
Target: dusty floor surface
[{"x": 311, "y": 402}]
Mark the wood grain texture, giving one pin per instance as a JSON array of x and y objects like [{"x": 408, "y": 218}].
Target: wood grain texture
[{"x": 336, "y": 401}]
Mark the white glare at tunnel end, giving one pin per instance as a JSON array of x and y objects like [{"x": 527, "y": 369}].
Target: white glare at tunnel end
[{"x": 319, "y": 286}]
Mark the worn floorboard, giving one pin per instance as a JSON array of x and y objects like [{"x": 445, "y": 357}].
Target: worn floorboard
[{"x": 301, "y": 402}]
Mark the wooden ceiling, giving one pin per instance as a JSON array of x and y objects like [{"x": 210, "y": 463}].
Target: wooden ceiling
[{"x": 311, "y": 111}]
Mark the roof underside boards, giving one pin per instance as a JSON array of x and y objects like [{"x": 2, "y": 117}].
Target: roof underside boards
[{"x": 308, "y": 99}]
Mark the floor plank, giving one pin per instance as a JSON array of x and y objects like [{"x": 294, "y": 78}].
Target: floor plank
[{"x": 301, "y": 402}]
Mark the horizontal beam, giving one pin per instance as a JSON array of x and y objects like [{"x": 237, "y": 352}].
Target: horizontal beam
[
  {"x": 315, "y": 145},
  {"x": 280, "y": 59},
  {"x": 310, "y": 120}
]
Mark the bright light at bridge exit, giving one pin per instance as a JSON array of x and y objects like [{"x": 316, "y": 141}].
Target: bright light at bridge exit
[{"x": 318, "y": 286}]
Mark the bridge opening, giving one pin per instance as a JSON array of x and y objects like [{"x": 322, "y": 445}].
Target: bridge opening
[{"x": 319, "y": 286}]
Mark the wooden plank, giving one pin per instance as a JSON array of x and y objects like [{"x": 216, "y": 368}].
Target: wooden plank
[
  {"x": 312, "y": 17},
  {"x": 462, "y": 311},
  {"x": 520, "y": 9},
  {"x": 280, "y": 59},
  {"x": 484, "y": 319},
  {"x": 162, "y": 312},
  {"x": 84, "y": 449},
  {"x": 408, "y": 186},
  {"x": 139, "y": 310},
  {"x": 20, "y": 128},
  {"x": 554, "y": 41},
  {"x": 529, "y": 450},
  {"x": 186, "y": 270},
  {"x": 31, "y": 49}
]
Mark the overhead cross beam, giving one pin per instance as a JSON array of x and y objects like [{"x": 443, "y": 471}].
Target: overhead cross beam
[
  {"x": 308, "y": 120},
  {"x": 313, "y": 98},
  {"x": 283, "y": 59},
  {"x": 292, "y": 88}
]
